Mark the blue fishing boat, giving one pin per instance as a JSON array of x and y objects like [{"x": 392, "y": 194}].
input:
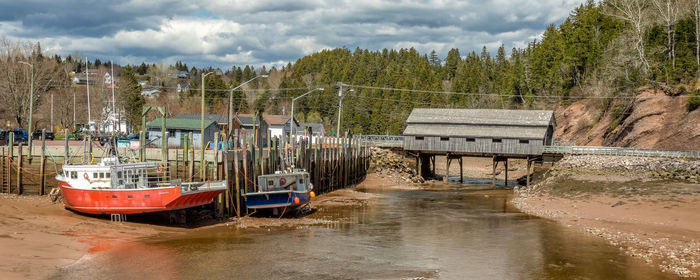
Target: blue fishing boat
[{"x": 283, "y": 189}]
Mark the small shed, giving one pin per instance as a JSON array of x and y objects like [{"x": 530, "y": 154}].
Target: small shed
[
  {"x": 248, "y": 124},
  {"x": 220, "y": 119},
  {"x": 479, "y": 132},
  {"x": 179, "y": 128},
  {"x": 317, "y": 129}
]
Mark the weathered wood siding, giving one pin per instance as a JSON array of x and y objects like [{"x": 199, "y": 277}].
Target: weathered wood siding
[{"x": 473, "y": 145}]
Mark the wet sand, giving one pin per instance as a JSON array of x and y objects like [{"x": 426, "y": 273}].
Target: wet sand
[
  {"x": 656, "y": 221},
  {"x": 38, "y": 237}
]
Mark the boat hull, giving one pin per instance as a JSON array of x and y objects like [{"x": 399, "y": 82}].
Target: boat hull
[
  {"x": 134, "y": 201},
  {"x": 269, "y": 200}
]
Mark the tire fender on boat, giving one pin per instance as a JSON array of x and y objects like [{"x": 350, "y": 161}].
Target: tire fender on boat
[
  {"x": 86, "y": 177},
  {"x": 193, "y": 188}
]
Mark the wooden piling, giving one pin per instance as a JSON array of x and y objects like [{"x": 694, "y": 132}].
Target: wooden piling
[
  {"x": 66, "y": 149},
  {"x": 185, "y": 151},
  {"x": 3, "y": 168},
  {"x": 19, "y": 169},
  {"x": 191, "y": 151},
  {"x": 10, "y": 147},
  {"x": 237, "y": 184},
  {"x": 216, "y": 156},
  {"x": 42, "y": 175}
]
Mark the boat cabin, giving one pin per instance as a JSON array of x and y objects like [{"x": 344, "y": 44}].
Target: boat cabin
[
  {"x": 110, "y": 174},
  {"x": 285, "y": 181}
]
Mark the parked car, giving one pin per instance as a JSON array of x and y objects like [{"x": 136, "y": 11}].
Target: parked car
[
  {"x": 20, "y": 135},
  {"x": 37, "y": 135}
]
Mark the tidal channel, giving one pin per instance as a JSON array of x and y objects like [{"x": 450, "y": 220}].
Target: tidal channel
[{"x": 448, "y": 234}]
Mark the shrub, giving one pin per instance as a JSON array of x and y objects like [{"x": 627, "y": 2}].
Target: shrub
[{"x": 693, "y": 102}]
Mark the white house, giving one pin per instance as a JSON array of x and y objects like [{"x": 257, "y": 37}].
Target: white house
[{"x": 279, "y": 125}]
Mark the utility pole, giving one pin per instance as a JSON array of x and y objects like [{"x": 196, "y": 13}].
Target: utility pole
[
  {"x": 230, "y": 103},
  {"x": 74, "y": 126},
  {"x": 114, "y": 111},
  {"x": 87, "y": 85},
  {"x": 52, "y": 111},
  {"x": 201, "y": 131},
  {"x": 340, "y": 108},
  {"x": 291, "y": 124}
]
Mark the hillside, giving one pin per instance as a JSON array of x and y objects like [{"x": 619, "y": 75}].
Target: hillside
[{"x": 653, "y": 120}]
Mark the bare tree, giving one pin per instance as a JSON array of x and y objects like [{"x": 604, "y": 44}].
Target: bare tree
[
  {"x": 697, "y": 33},
  {"x": 632, "y": 11},
  {"x": 16, "y": 78},
  {"x": 63, "y": 107},
  {"x": 668, "y": 12}
]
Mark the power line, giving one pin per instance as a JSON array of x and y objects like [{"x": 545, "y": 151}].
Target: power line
[{"x": 507, "y": 95}]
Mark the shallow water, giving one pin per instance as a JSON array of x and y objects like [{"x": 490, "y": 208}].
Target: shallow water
[{"x": 451, "y": 234}]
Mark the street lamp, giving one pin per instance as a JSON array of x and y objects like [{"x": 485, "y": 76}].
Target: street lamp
[
  {"x": 201, "y": 132},
  {"x": 291, "y": 124},
  {"x": 230, "y": 102},
  {"x": 340, "y": 106},
  {"x": 31, "y": 107}
]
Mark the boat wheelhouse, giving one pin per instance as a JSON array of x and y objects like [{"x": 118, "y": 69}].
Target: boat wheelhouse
[
  {"x": 281, "y": 189},
  {"x": 111, "y": 187}
]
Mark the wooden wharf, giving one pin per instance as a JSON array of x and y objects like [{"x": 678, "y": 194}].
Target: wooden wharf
[{"x": 332, "y": 162}]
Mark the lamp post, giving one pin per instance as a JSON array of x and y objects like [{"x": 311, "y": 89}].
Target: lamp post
[
  {"x": 31, "y": 107},
  {"x": 201, "y": 132},
  {"x": 291, "y": 124},
  {"x": 230, "y": 103},
  {"x": 340, "y": 106}
]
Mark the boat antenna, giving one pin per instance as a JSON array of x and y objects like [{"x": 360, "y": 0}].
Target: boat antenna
[{"x": 115, "y": 147}]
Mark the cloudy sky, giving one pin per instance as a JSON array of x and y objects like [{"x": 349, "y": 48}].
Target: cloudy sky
[{"x": 271, "y": 32}]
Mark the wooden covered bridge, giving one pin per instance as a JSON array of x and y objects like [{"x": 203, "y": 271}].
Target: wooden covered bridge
[{"x": 456, "y": 133}]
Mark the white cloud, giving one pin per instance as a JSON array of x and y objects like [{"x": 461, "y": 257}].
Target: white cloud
[{"x": 273, "y": 32}]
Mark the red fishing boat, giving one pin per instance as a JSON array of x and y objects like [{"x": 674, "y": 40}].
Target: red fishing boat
[{"x": 111, "y": 187}]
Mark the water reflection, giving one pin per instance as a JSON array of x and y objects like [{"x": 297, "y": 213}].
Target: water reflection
[{"x": 455, "y": 234}]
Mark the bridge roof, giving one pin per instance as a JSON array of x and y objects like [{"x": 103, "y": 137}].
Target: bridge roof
[
  {"x": 480, "y": 123},
  {"x": 476, "y": 131},
  {"x": 481, "y": 117}
]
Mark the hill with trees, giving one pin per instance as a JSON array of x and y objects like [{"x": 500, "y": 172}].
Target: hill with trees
[{"x": 593, "y": 68}]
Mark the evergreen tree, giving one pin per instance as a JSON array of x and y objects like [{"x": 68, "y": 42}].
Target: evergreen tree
[
  {"x": 130, "y": 92},
  {"x": 451, "y": 62}
]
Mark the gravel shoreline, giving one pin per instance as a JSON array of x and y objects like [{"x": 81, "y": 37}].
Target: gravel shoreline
[{"x": 647, "y": 207}]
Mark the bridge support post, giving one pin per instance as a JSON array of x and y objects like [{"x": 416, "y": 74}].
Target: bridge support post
[
  {"x": 506, "y": 178},
  {"x": 527, "y": 174},
  {"x": 493, "y": 172},
  {"x": 432, "y": 172},
  {"x": 448, "y": 160},
  {"x": 461, "y": 173},
  {"x": 419, "y": 168}
]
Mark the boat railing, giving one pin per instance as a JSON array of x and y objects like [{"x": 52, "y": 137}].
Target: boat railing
[{"x": 200, "y": 186}]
